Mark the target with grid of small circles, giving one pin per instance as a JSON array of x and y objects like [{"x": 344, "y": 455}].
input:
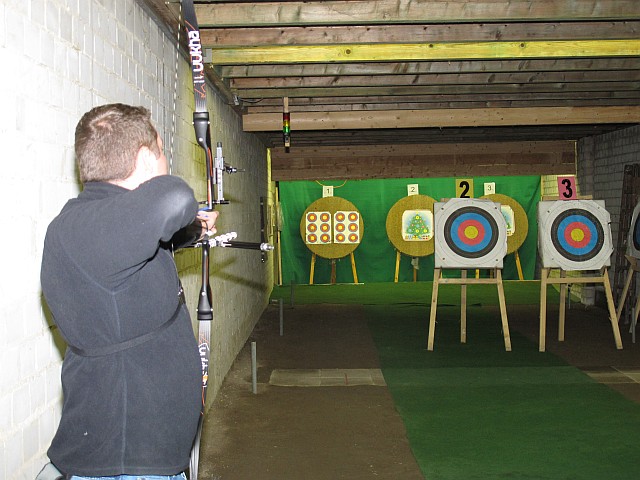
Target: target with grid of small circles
[{"x": 331, "y": 227}]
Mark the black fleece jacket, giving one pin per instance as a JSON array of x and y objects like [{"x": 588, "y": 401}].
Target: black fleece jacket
[{"x": 107, "y": 278}]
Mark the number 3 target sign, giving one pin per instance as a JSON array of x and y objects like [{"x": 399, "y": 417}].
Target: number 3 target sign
[
  {"x": 574, "y": 234},
  {"x": 633, "y": 242},
  {"x": 470, "y": 233}
]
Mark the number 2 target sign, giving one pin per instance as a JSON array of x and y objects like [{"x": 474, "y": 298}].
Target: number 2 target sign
[
  {"x": 574, "y": 234},
  {"x": 633, "y": 241},
  {"x": 470, "y": 233}
]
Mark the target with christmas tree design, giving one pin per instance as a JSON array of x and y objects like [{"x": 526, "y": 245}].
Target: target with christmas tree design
[
  {"x": 410, "y": 235},
  {"x": 417, "y": 225}
]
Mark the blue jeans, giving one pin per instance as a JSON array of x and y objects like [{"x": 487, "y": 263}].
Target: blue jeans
[{"x": 134, "y": 477}]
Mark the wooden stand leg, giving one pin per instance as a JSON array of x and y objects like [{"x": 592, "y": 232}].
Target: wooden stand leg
[
  {"x": 625, "y": 290},
  {"x": 395, "y": 277},
  {"x": 434, "y": 307},
  {"x": 313, "y": 268},
  {"x": 503, "y": 311},
  {"x": 563, "y": 304},
  {"x": 612, "y": 309},
  {"x": 463, "y": 309},
  {"x": 544, "y": 273},
  {"x": 519, "y": 266},
  {"x": 333, "y": 271},
  {"x": 634, "y": 321},
  {"x": 353, "y": 268},
  {"x": 415, "y": 268}
]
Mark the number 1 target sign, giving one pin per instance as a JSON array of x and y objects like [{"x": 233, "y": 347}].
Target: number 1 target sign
[
  {"x": 633, "y": 241},
  {"x": 574, "y": 234},
  {"x": 470, "y": 233}
]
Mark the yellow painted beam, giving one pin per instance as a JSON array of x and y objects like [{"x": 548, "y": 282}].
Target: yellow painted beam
[
  {"x": 261, "y": 122},
  {"x": 397, "y": 52}
]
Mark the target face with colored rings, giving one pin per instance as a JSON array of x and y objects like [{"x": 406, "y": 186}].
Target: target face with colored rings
[
  {"x": 577, "y": 235},
  {"x": 470, "y": 233},
  {"x": 574, "y": 235},
  {"x": 633, "y": 242}
]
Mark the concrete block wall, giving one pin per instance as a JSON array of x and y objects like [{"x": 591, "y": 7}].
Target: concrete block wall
[
  {"x": 63, "y": 57},
  {"x": 601, "y": 161}
]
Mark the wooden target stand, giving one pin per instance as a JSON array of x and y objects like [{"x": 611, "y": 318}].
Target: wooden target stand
[
  {"x": 463, "y": 281},
  {"x": 331, "y": 250},
  {"x": 495, "y": 278},
  {"x": 564, "y": 281},
  {"x": 394, "y": 225},
  {"x": 634, "y": 267}
]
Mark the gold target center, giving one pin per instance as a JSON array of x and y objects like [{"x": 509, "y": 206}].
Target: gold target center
[
  {"x": 471, "y": 232},
  {"x": 577, "y": 235}
]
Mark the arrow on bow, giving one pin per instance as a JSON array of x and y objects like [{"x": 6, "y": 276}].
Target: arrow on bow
[{"x": 216, "y": 168}]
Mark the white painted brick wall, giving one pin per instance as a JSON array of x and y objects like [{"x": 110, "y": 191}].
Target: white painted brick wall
[
  {"x": 601, "y": 161},
  {"x": 66, "y": 56}
]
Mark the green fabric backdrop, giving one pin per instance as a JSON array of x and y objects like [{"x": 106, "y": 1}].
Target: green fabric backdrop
[{"x": 375, "y": 257}]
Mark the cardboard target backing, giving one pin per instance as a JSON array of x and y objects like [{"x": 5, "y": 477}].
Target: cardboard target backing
[
  {"x": 574, "y": 234},
  {"x": 331, "y": 227},
  {"x": 633, "y": 240},
  {"x": 470, "y": 233},
  {"x": 410, "y": 235}
]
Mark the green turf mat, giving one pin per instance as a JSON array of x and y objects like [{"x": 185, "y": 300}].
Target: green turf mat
[
  {"x": 516, "y": 293},
  {"x": 475, "y": 411}
]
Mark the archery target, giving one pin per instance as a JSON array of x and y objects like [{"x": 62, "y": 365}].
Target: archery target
[
  {"x": 633, "y": 241},
  {"x": 318, "y": 228},
  {"x": 574, "y": 234},
  {"x": 346, "y": 227},
  {"x": 331, "y": 227},
  {"x": 470, "y": 233},
  {"x": 410, "y": 225}
]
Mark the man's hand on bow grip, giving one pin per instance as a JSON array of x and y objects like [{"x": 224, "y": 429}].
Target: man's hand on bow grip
[{"x": 208, "y": 221}]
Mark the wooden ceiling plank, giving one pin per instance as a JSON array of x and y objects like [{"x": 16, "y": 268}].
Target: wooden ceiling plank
[
  {"x": 313, "y": 35},
  {"x": 257, "y": 94},
  {"x": 468, "y": 103},
  {"x": 424, "y": 52},
  {"x": 363, "y": 12},
  {"x": 443, "y": 118},
  {"x": 436, "y": 79},
  {"x": 398, "y": 103},
  {"x": 465, "y": 66}
]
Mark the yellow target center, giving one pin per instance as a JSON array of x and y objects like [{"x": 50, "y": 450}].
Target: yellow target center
[
  {"x": 471, "y": 232},
  {"x": 577, "y": 235}
]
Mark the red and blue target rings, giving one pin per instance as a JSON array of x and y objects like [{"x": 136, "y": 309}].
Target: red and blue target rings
[
  {"x": 471, "y": 232},
  {"x": 577, "y": 235}
]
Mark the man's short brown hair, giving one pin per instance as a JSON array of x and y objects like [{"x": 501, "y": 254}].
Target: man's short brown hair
[{"x": 108, "y": 139}]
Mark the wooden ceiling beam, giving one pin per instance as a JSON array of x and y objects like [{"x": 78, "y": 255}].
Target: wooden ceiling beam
[
  {"x": 456, "y": 32},
  {"x": 413, "y": 102},
  {"x": 465, "y": 66},
  {"x": 419, "y": 160},
  {"x": 437, "y": 79},
  {"x": 424, "y": 51},
  {"x": 364, "y": 12},
  {"x": 257, "y": 94},
  {"x": 439, "y": 118}
]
